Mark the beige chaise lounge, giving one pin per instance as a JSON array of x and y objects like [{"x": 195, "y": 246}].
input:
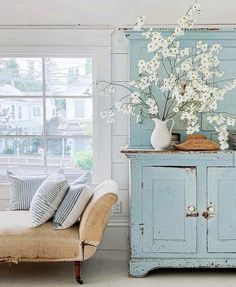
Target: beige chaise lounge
[{"x": 19, "y": 242}]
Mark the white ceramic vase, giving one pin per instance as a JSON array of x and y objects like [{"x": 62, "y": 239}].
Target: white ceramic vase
[{"x": 161, "y": 135}]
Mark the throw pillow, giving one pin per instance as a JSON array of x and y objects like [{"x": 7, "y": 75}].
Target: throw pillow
[
  {"x": 84, "y": 179},
  {"x": 73, "y": 204},
  {"x": 22, "y": 189},
  {"x": 47, "y": 198}
]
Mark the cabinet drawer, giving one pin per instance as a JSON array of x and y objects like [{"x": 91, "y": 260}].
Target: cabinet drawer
[{"x": 167, "y": 194}]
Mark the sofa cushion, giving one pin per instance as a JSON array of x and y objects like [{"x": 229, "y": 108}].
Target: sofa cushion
[
  {"x": 72, "y": 206},
  {"x": 47, "y": 198},
  {"x": 84, "y": 179},
  {"x": 74, "y": 202},
  {"x": 22, "y": 189},
  {"x": 19, "y": 241}
]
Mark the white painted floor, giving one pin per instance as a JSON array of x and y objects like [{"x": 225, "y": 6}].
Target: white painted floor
[{"x": 109, "y": 268}]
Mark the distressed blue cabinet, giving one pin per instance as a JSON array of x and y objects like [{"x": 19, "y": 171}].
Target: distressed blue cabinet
[
  {"x": 182, "y": 209},
  {"x": 182, "y": 203}
]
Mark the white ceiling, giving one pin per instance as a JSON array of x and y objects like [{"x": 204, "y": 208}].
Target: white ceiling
[{"x": 109, "y": 12}]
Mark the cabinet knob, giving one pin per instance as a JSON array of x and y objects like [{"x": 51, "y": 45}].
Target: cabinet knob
[
  {"x": 191, "y": 211},
  {"x": 209, "y": 213},
  {"x": 191, "y": 208},
  {"x": 210, "y": 209}
]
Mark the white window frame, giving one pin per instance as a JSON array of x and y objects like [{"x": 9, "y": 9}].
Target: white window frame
[{"x": 101, "y": 58}]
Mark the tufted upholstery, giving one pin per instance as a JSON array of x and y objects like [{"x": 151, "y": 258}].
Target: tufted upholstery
[{"x": 19, "y": 241}]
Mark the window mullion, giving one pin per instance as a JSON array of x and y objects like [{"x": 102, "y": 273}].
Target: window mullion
[{"x": 44, "y": 117}]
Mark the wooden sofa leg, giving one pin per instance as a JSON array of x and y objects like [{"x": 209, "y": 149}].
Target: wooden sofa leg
[{"x": 77, "y": 272}]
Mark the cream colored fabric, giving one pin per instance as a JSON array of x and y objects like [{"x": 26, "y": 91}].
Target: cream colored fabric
[
  {"x": 19, "y": 241},
  {"x": 95, "y": 217}
]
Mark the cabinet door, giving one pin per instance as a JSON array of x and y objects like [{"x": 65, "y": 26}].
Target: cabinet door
[
  {"x": 222, "y": 199},
  {"x": 167, "y": 193}
]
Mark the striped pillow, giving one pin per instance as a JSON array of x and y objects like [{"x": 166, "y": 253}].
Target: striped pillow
[
  {"x": 47, "y": 198},
  {"x": 84, "y": 179},
  {"x": 72, "y": 206},
  {"x": 22, "y": 189}
]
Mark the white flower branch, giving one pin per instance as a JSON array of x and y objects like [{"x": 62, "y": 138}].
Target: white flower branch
[{"x": 189, "y": 86}]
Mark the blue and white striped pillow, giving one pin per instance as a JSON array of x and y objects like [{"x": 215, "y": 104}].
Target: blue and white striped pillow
[
  {"x": 22, "y": 189},
  {"x": 47, "y": 198},
  {"x": 73, "y": 204}
]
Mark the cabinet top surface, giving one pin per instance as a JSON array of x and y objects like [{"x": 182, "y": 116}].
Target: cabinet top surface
[{"x": 152, "y": 151}]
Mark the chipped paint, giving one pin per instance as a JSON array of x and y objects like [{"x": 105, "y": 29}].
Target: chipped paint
[{"x": 201, "y": 246}]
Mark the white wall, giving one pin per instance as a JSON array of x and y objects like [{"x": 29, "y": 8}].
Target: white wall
[
  {"x": 109, "y": 12},
  {"x": 120, "y": 75}
]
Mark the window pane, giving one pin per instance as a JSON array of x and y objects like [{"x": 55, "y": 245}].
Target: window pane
[
  {"x": 21, "y": 116},
  {"x": 21, "y": 155},
  {"x": 20, "y": 76},
  {"x": 73, "y": 155},
  {"x": 68, "y": 76},
  {"x": 69, "y": 116}
]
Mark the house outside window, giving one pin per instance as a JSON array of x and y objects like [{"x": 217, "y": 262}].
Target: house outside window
[
  {"x": 80, "y": 109},
  {"x": 19, "y": 112},
  {"x": 36, "y": 111},
  {"x": 54, "y": 133},
  {"x": 13, "y": 112}
]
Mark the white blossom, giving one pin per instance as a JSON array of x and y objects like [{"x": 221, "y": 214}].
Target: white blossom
[
  {"x": 110, "y": 120},
  {"x": 215, "y": 48},
  {"x": 230, "y": 121},
  {"x": 219, "y": 74},
  {"x": 139, "y": 23},
  {"x": 178, "y": 32},
  {"x": 104, "y": 114},
  {"x": 147, "y": 34},
  {"x": 88, "y": 92},
  {"x": 192, "y": 75},
  {"x": 153, "y": 110},
  {"x": 199, "y": 44},
  {"x": 127, "y": 109},
  {"x": 141, "y": 63},
  {"x": 192, "y": 129},
  {"x": 185, "y": 66},
  {"x": 165, "y": 53},
  {"x": 110, "y": 90},
  {"x": 224, "y": 145},
  {"x": 135, "y": 97},
  {"x": 150, "y": 102},
  {"x": 184, "y": 52},
  {"x": 133, "y": 83},
  {"x": 103, "y": 94},
  {"x": 204, "y": 47},
  {"x": 118, "y": 106}
]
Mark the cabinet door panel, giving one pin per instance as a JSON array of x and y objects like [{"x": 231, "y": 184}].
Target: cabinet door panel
[
  {"x": 222, "y": 197},
  {"x": 167, "y": 192}
]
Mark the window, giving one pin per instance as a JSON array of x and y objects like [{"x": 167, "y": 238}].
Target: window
[
  {"x": 35, "y": 82},
  {"x": 80, "y": 109},
  {"x": 19, "y": 112},
  {"x": 13, "y": 112},
  {"x": 46, "y": 119},
  {"x": 37, "y": 111}
]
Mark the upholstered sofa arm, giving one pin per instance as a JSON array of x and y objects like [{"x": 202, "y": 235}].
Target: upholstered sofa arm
[{"x": 95, "y": 217}]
